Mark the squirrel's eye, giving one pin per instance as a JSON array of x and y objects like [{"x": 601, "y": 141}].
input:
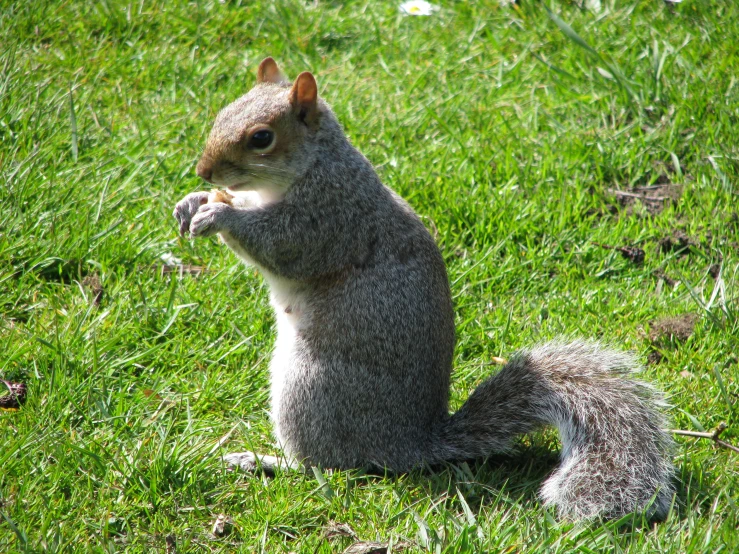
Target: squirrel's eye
[{"x": 261, "y": 139}]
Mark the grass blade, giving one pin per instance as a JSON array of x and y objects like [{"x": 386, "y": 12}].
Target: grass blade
[
  {"x": 724, "y": 392},
  {"x": 73, "y": 125},
  {"x": 553, "y": 67},
  {"x": 613, "y": 70},
  {"x": 570, "y": 33}
]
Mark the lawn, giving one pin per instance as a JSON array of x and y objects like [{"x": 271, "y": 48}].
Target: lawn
[{"x": 546, "y": 151}]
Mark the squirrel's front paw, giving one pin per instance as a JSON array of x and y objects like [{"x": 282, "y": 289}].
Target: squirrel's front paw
[
  {"x": 187, "y": 208},
  {"x": 210, "y": 219}
]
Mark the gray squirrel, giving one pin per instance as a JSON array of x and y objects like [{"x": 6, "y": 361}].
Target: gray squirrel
[{"x": 365, "y": 328}]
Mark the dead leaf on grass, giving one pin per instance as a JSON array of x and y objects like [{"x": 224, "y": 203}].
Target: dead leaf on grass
[
  {"x": 222, "y": 526},
  {"x": 94, "y": 286},
  {"x": 676, "y": 242}
]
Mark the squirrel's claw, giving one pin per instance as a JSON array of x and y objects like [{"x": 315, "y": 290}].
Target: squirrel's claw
[
  {"x": 209, "y": 219},
  {"x": 184, "y": 228},
  {"x": 186, "y": 209}
]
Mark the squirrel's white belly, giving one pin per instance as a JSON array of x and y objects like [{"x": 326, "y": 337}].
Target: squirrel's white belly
[
  {"x": 289, "y": 306},
  {"x": 279, "y": 368},
  {"x": 256, "y": 198}
]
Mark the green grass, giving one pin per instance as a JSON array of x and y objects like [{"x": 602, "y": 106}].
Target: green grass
[{"x": 504, "y": 133}]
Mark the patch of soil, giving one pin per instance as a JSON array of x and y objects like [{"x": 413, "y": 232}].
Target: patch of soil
[
  {"x": 679, "y": 328},
  {"x": 676, "y": 242},
  {"x": 655, "y": 198},
  {"x": 654, "y": 357},
  {"x": 632, "y": 253},
  {"x": 666, "y": 278},
  {"x": 16, "y": 395}
]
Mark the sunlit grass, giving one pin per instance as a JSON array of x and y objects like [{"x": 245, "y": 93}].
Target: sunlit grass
[{"x": 509, "y": 138}]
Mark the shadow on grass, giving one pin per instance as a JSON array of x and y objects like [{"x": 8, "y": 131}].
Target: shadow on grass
[{"x": 515, "y": 480}]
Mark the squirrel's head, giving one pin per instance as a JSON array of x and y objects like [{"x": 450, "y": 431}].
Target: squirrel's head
[{"x": 262, "y": 141}]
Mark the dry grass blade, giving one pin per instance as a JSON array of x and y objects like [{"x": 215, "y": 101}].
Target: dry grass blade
[{"x": 334, "y": 529}]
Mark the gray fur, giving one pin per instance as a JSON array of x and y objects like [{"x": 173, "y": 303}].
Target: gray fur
[{"x": 360, "y": 372}]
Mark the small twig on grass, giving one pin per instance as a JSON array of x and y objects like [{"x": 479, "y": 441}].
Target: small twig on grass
[{"x": 713, "y": 435}]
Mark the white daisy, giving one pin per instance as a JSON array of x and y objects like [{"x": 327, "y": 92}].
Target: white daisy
[{"x": 418, "y": 7}]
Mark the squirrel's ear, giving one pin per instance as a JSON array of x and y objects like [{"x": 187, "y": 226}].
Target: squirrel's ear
[
  {"x": 304, "y": 97},
  {"x": 268, "y": 72}
]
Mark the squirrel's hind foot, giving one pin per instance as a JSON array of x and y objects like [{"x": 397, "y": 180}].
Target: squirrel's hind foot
[{"x": 253, "y": 463}]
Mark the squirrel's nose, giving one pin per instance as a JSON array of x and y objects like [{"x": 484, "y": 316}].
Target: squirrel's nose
[{"x": 204, "y": 171}]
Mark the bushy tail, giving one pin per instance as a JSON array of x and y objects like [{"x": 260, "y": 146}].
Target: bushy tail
[{"x": 615, "y": 453}]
